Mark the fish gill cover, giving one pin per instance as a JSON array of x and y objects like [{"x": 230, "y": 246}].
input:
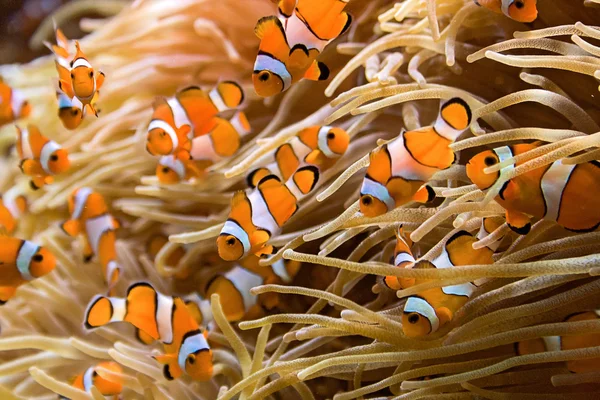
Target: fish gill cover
[{"x": 409, "y": 211}]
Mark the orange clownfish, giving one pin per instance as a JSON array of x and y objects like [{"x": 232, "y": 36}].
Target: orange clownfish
[
  {"x": 40, "y": 157},
  {"x": 570, "y": 342},
  {"x": 189, "y": 114},
  {"x": 90, "y": 377},
  {"x": 223, "y": 141},
  {"x": 84, "y": 83},
  {"x": 567, "y": 194},
  {"x": 89, "y": 214},
  {"x": 163, "y": 318},
  {"x": 426, "y": 312},
  {"x": 69, "y": 113},
  {"x": 254, "y": 218},
  {"x": 316, "y": 145},
  {"x": 403, "y": 257},
  {"x": 13, "y": 104},
  {"x": 519, "y": 10},
  {"x": 20, "y": 262},
  {"x": 399, "y": 170},
  {"x": 289, "y": 45},
  {"x": 12, "y": 206}
]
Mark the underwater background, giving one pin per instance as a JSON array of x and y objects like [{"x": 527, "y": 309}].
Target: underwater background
[{"x": 395, "y": 222}]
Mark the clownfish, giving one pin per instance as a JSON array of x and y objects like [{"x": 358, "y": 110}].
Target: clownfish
[
  {"x": 254, "y": 218},
  {"x": 69, "y": 113},
  {"x": 89, "y": 214},
  {"x": 13, "y": 104},
  {"x": 403, "y": 257},
  {"x": 568, "y": 342},
  {"x": 316, "y": 145},
  {"x": 426, "y": 312},
  {"x": 90, "y": 377},
  {"x": 518, "y": 10},
  {"x": 281, "y": 271},
  {"x": 289, "y": 45},
  {"x": 20, "y": 262},
  {"x": 163, "y": 318},
  {"x": 223, "y": 141},
  {"x": 398, "y": 171},
  {"x": 567, "y": 194},
  {"x": 40, "y": 157},
  {"x": 155, "y": 244},
  {"x": 84, "y": 83},
  {"x": 12, "y": 206},
  {"x": 189, "y": 114}
]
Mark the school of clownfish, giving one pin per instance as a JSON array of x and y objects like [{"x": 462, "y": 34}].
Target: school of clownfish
[{"x": 191, "y": 131}]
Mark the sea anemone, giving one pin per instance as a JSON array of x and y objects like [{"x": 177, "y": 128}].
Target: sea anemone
[{"x": 336, "y": 331}]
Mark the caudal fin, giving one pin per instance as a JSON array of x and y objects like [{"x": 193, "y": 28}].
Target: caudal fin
[
  {"x": 455, "y": 116},
  {"x": 104, "y": 310},
  {"x": 227, "y": 95}
]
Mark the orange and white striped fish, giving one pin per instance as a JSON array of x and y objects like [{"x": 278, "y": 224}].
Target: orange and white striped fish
[
  {"x": 426, "y": 312},
  {"x": 290, "y": 44},
  {"x": 163, "y": 318},
  {"x": 13, "y": 104},
  {"x": 68, "y": 112},
  {"x": 403, "y": 257},
  {"x": 13, "y": 205},
  {"x": 84, "y": 83},
  {"x": 90, "y": 216},
  {"x": 254, "y": 218},
  {"x": 519, "y": 10},
  {"x": 399, "y": 171},
  {"x": 567, "y": 342},
  {"x": 90, "y": 377},
  {"x": 315, "y": 145},
  {"x": 221, "y": 142},
  {"x": 21, "y": 261},
  {"x": 565, "y": 193},
  {"x": 281, "y": 271},
  {"x": 189, "y": 114},
  {"x": 40, "y": 157}
]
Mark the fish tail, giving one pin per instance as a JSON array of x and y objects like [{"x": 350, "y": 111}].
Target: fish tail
[
  {"x": 227, "y": 95},
  {"x": 103, "y": 310},
  {"x": 454, "y": 117}
]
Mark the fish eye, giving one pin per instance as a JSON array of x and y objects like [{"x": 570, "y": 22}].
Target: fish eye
[
  {"x": 413, "y": 318},
  {"x": 331, "y": 135},
  {"x": 162, "y": 134},
  {"x": 489, "y": 161},
  {"x": 230, "y": 241},
  {"x": 519, "y": 4},
  {"x": 38, "y": 258},
  {"x": 91, "y": 74},
  {"x": 264, "y": 76},
  {"x": 94, "y": 374},
  {"x": 165, "y": 170},
  {"x": 367, "y": 200},
  {"x": 74, "y": 111},
  {"x": 53, "y": 157},
  {"x": 191, "y": 359}
]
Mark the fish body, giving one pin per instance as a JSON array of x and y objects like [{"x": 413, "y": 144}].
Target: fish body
[
  {"x": 290, "y": 44},
  {"x": 69, "y": 113},
  {"x": 398, "y": 171},
  {"x": 84, "y": 83},
  {"x": 403, "y": 258},
  {"x": 223, "y": 141},
  {"x": 315, "y": 145},
  {"x": 12, "y": 206},
  {"x": 41, "y": 158},
  {"x": 89, "y": 378},
  {"x": 254, "y": 218},
  {"x": 13, "y": 104},
  {"x": 567, "y": 194},
  {"x": 21, "y": 261},
  {"x": 570, "y": 342},
  {"x": 90, "y": 216},
  {"x": 426, "y": 312},
  {"x": 518, "y": 10},
  {"x": 163, "y": 318},
  {"x": 192, "y": 113}
]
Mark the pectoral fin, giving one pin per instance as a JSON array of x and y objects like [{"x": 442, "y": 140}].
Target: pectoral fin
[
  {"x": 171, "y": 369},
  {"x": 71, "y": 227}
]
